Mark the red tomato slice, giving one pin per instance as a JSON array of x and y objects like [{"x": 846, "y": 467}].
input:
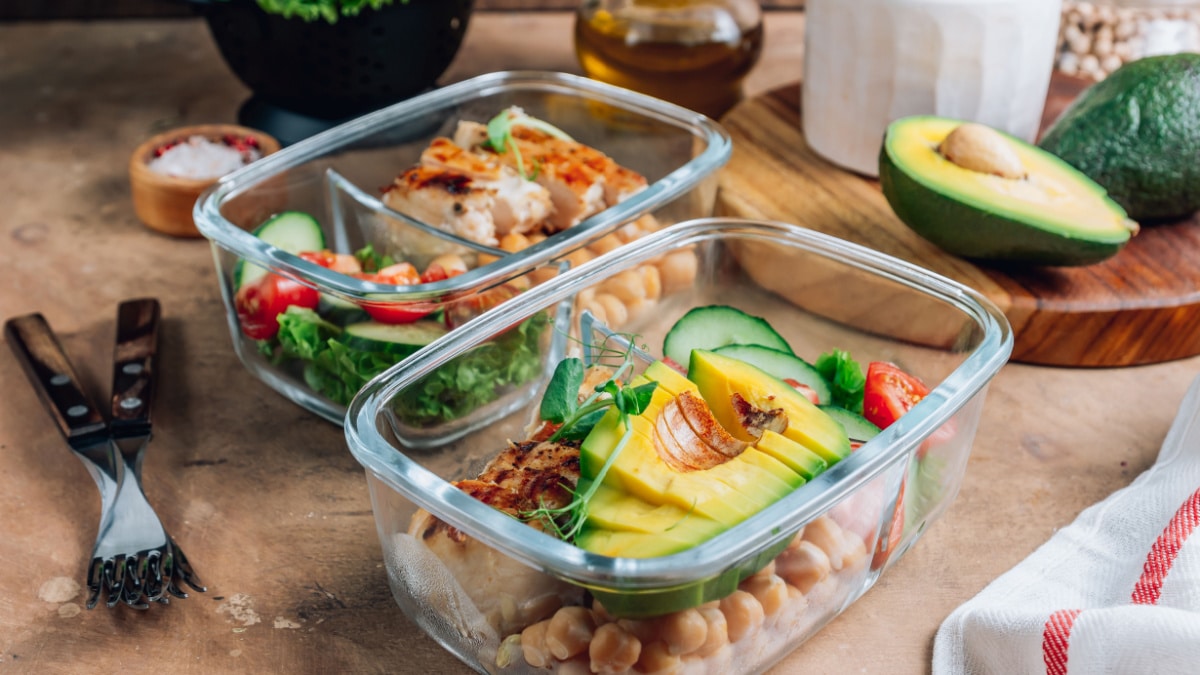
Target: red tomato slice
[
  {"x": 338, "y": 262},
  {"x": 462, "y": 311},
  {"x": 889, "y": 393},
  {"x": 259, "y": 304},
  {"x": 674, "y": 365},
  {"x": 400, "y": 274},
  {"x": 889, "y": 540}
]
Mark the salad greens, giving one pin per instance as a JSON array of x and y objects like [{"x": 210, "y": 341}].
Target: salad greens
[
  {"x": 845, "y": 377},
  {"x": 329, "y": 10},
  {"x": 475, "y": 378},
  {"x": 337, "y": 371},
  {"x": 500, "y": 138},
  {"x": 560, "y": 405}
]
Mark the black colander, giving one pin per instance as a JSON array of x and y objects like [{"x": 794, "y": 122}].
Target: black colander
[{"x": 353, "y": 66}]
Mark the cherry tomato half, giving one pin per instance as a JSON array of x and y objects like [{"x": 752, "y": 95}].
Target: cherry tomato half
[
  {"x": 259, "y": 304},
  {"x": 889, "y": 393},
  {"x": 338, "y": 262},
  {"x": 400, "y": 274},
  {"x": 468, "y": 308}
]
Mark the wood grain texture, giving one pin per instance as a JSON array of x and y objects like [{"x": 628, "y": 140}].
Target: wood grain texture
[{"x": 1141, "y": 306}]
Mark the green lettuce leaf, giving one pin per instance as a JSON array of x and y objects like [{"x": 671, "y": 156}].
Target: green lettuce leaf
[{"x": 845, "y": 377}]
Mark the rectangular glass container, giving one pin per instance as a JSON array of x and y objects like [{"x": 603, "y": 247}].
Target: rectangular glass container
[
  {"x": 505, "y": 597},
  {"x": 340, "y": 176}
]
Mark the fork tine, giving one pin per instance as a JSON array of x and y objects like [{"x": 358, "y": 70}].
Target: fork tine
[
  {"x": 131, "y": 590},
  {"x": 114, "y": 579},
  {"x": 184, "y": 569},
  {"x": 95, "y": 581},
  {"x": 153, "y": 584}
]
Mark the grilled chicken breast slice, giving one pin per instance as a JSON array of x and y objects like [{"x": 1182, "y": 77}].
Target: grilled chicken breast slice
[{"x": 518, "y": 205}]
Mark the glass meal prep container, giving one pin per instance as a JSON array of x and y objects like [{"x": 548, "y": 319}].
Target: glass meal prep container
[
  {"x": 340, "y": 182},
  {"x": 505, "y": 597}
]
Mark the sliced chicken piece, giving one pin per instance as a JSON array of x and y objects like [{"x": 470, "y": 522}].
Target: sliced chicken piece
[
  {"x": 507, "y": 593},
  {"x": 447, "y": 200},
  {"x": 470, "y": 135},
  {"x": 576, "y": 189},
  {"x": 519, "y": 205},
  {"x": 542, "y": 473}
]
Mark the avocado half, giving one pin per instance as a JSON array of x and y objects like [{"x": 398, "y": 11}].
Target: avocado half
[{"x": 1055, "y": 215}]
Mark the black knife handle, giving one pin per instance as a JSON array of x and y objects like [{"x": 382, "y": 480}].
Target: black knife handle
[
  {"x": 53, "y": 377},
  {"x": 135, "y": 366}
]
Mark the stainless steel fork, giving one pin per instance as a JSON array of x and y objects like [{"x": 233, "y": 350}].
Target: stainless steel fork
[{"x": 134, "y": 560}]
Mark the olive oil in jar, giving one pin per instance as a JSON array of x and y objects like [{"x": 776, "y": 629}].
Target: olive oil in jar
[{"x": 692, "y": 52}]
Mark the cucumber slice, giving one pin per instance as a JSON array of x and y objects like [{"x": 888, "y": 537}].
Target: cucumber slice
[
  {"x": 292, "y": 231},
  {"x": 857, "y": 427},
  {"x": 716, "y": 326},
  {"x": 782, "y": 365},
  {"x": 400, "y": 339}
]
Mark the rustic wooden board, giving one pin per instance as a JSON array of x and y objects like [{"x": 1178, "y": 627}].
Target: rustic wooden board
[{"x": 1141, "y": 306}]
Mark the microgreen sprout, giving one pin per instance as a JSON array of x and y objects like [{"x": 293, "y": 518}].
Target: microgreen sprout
[
  {"x": 561, "y": 406},
  {"x": 500, "y": 136}
]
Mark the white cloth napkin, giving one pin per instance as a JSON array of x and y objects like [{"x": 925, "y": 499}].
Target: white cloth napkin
[{"x": 1116, "y": 591}]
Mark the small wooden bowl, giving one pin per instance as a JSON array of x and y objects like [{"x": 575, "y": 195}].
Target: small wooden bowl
[{"x": 163, "y": 202}]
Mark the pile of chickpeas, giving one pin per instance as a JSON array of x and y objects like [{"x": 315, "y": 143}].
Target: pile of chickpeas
[
  {"x": 1095, "y": 39},
  {"x": 766, "y": 607},
  {"x": 624, "y": 297}
]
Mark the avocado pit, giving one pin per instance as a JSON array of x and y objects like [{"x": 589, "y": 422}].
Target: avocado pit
[{"x": 982, "y": 149}]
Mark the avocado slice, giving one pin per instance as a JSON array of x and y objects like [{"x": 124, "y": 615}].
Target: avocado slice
[
  {"x": 1053, "y": 215},
  {"x": 719, "y": 377},
  {"x": 644, "y": 508},
  {"x": 1137, "y": 133}
]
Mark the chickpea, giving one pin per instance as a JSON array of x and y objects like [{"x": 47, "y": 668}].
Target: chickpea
[
  {"x": 828, "y": 536},
  {"x": 651, "y": 282},
  {"x": 804, "y": 566},
  {"x": 601, "y": 614},
  {"x": 579, "y": 256},
  {"x": 533, "y": 645},
  {"x": 453, "y": 264},
  {"x": 717, "y": 634},
  {"x": 513, "y": 242},
  {"x": 535, "y": 238},
  {"x": 575, "y": 667},
  {"x": 606, "y": 244},
  {"x": 657, "y": 658},
  {"x": 768, "y": 570},
  {"x": 770, "y": 591},
  {"x": 677, "y": 271},
  {"x": 595, "y": 308},
  {"x": 630, "y": 232},
  {"x": 614, "y": 309},
  {"x": 685, "y": 631},
  {"x": 613, "y": 649},
  {"x": 646, "y": 630},
  {"x": 636, "y": 308},
  {"x": 628, "y": 286},
  {"x": 743, "y": 614},
  {"x": 542, "y": 274},
  {"x": 569, "y": 632}
]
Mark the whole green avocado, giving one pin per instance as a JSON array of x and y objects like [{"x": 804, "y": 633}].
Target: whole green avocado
[{"x": 1137, "y": 134}]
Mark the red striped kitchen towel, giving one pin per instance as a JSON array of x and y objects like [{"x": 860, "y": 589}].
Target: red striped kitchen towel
[{"x": 1117, "y": 591}]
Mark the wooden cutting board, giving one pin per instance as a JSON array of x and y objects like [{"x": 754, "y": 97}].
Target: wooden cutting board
[{"x": 1141, "y": 306}]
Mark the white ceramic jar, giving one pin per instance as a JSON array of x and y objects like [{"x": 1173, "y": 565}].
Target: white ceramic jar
[{"x": 868, "y": 62}]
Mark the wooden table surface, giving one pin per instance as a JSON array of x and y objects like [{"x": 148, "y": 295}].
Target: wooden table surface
[{"x": 266, "y": 499}]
